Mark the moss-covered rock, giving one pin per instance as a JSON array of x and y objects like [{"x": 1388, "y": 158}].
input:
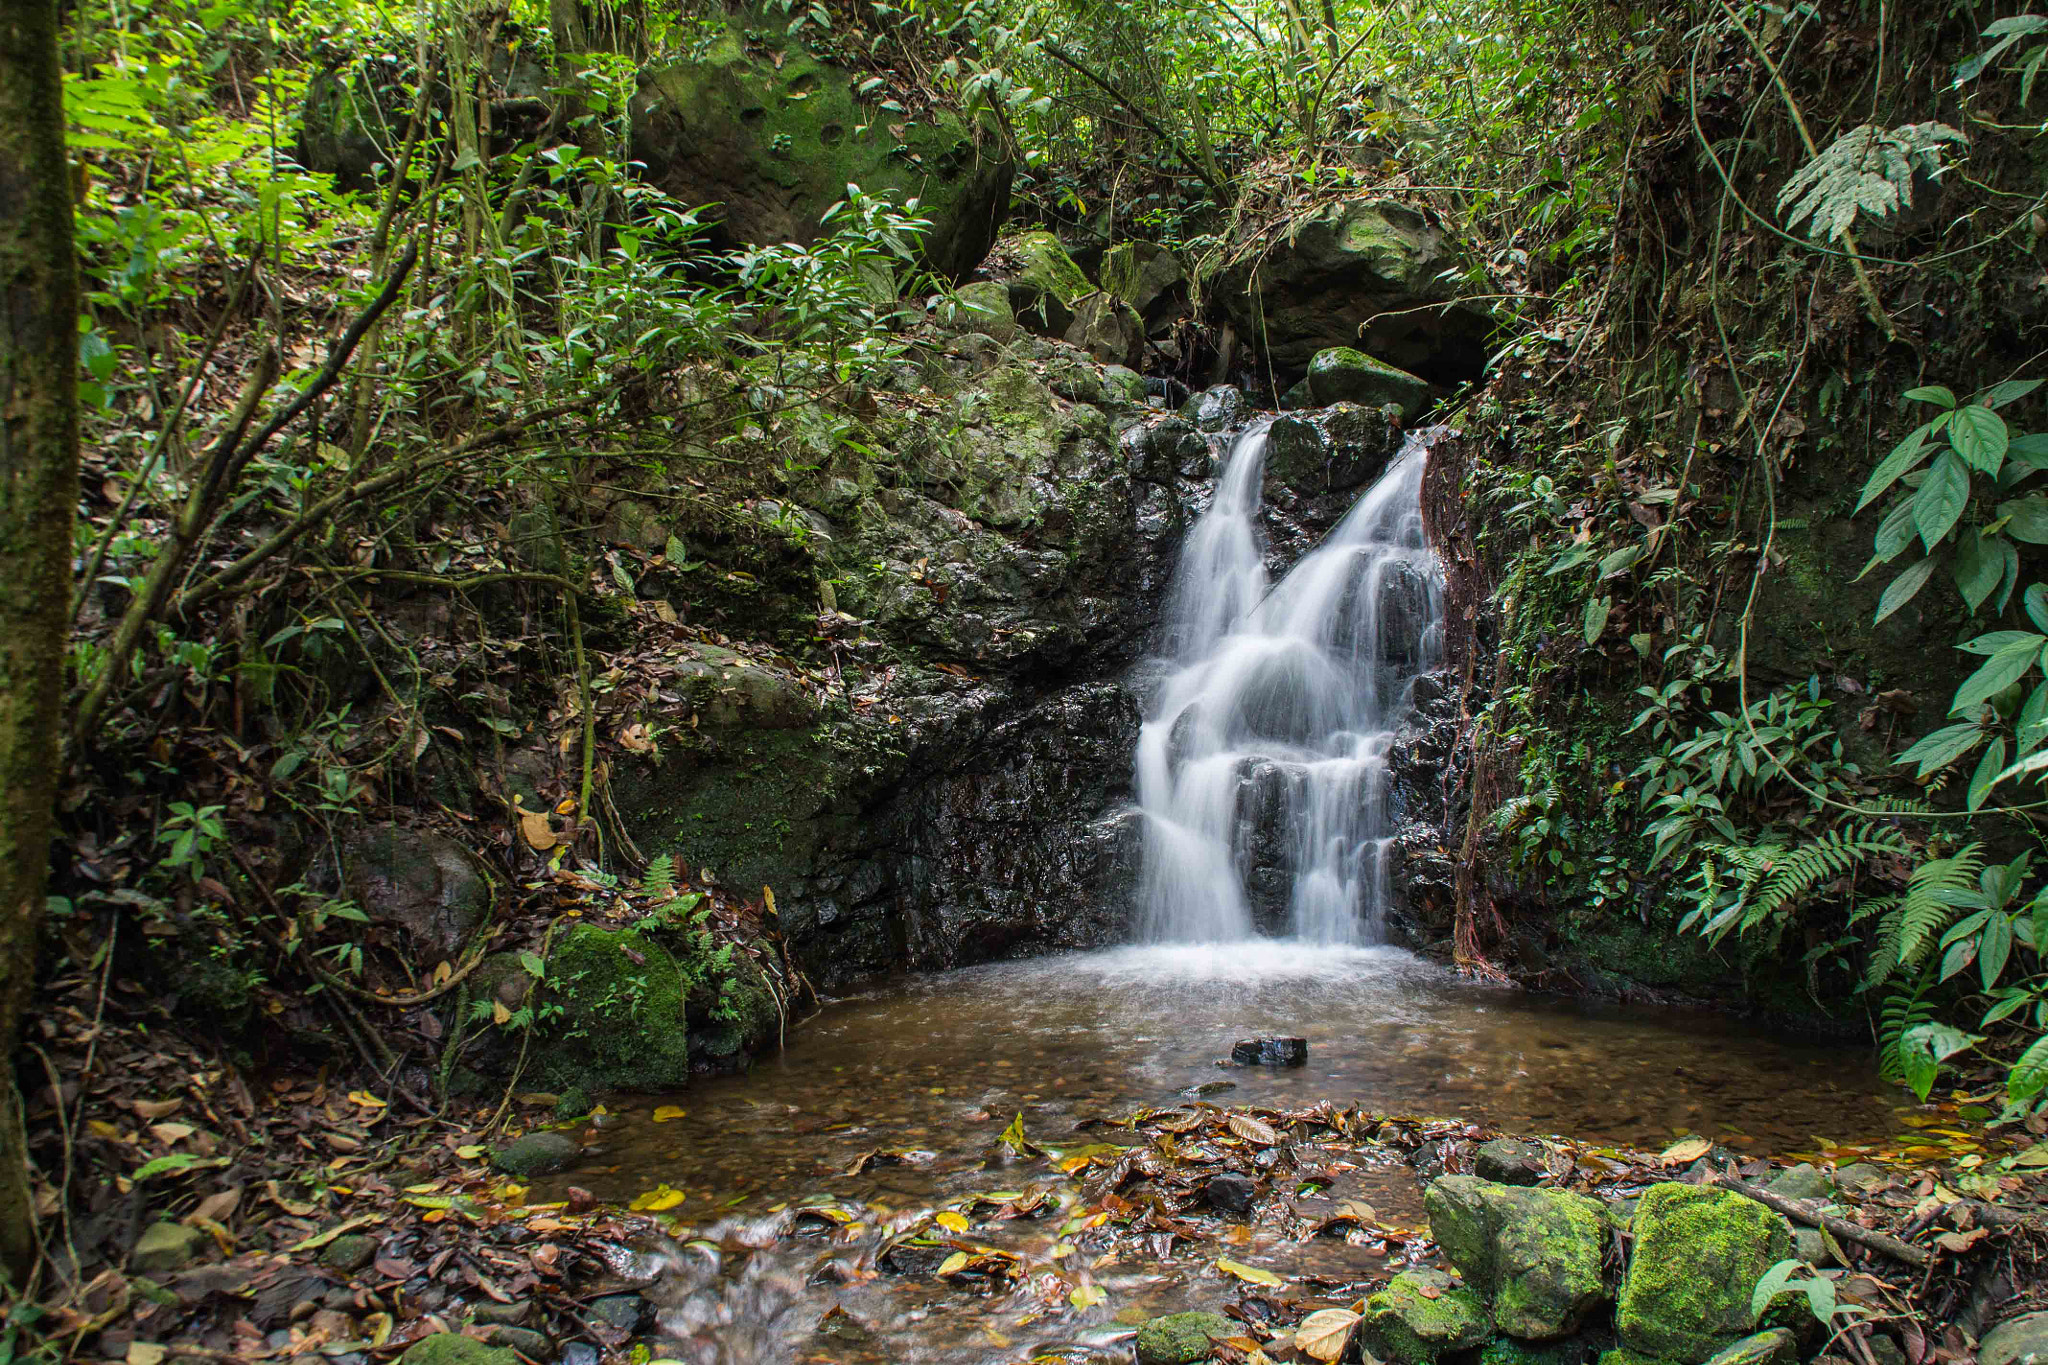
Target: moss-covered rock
[
  {"x": 536, "y": 1154},
  {"x": 1181, "y": 1338},
  {"x": 1698, "y": 1255},
  {"x": 1508, "y": 1351},
  {"x": 1535, "y": 1254},
  {"x": 1044, "y": 283},
  {"x": 1778, "y": 1346},
  {"x": 1419, "y": 1317},
  {"x": 1108, "y": 330},
  {"x": 452, "y": 1348},
  {"x": 1621, "y": 1355},
  {"x": 758, "y": 125},
  {"x": 1343, "y": 374},
  {"x": 981, "y": 306}
]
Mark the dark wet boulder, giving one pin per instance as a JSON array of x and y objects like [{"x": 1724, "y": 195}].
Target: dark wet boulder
[
  {"x": 1181, "y": 1338},
  {"x": 1535, "y": 1254},
  {"x": 1420, "y": 1317},
  {"x": 1697, "y": 1258},
  {"x": 1222, "y": 407},
  {"x": 1322, "y": 451},
  {"x": 1230, "y": 1194},
  {"x": 1167, "y": 450},
  {"x": 1107, "y": 330},
  {"x": 1344, "y": 374},
  {"x": 772, "y": 135},
  {"x": 536, "y": 1154},
  {"x": 1359, "y": 272},
  {"x": 1044, "y": 283},
  {"x": 1270, "y": 1052},
  {"x": 425, "y": 883},
  {"x": 1506, "y": 1161}
]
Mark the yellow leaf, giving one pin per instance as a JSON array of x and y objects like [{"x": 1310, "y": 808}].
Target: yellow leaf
[
  {"x": 1324, "y": 1335},
  {"x": 499, "y": 1014},
  {"x": 657, "y": 1200},
  {"x": 768, "y": 898},
  {"x": 952, "y": 1263},
  {"x": 469, "y": 1151},
  {"x": 442, "y": 971},
  {"x": 669, "y": 1111},
  {"x": 367, "y": 1100},
  {"x": 539, "y": 833},
  {"x": 321, "y": 1239},
  {"x": 1250, "y": 1274},
  {"x": 1684, "y": 1150},
  {"x": 101, "y": 1128},
  {"x": 951, "y": 1222},
  {"x": 1086, "y": 1295},
  {"x": 145, "y": 1353}
]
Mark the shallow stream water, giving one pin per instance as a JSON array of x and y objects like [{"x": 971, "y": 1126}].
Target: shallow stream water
[{"x": 931, "y": 1071}]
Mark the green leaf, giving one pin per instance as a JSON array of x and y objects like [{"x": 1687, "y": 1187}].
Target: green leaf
[
  {"x": 535, "y": 968},
  {"x": 2026, "y": 518},
  {"x": 1931, "y": 393},
  {"x": 1596, "y": 617},
  {"x": 1978, "y": 568},
  {"x": 1904, "y": 588},
  {"x": 1939, "y": 503},
  {"x": 1624, "y": 558},
  {"x": 1986, "y": 776},
  {"x": 1979, "y": 435},
  {"x": 1941, "y": 748},
  {"x": 2005, "y": 668},
  {"x": 1994, "y": 949},
  {"x": 2036, "y": 602},
  {"x": 1905, "y": 456},
  {"x": 2029, "y": 1075},
  {"x": 2011, "y": 391}
]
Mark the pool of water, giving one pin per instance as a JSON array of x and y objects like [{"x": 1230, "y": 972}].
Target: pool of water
[{"x": 891, "y": 1104}]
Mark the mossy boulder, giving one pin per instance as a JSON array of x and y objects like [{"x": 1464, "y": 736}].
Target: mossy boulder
[
  {"x": 1777, "y": 1346},
  {"x": 452, "y": 1348},
  {"x": 981, "y": 306},
  {"x": 1181, "y": 1338},
  {"x": 1107, "y": 330},
  {"x": 1147, "y": 277},
  {"x": 1344, "y": 374},
  {"x": 757, "y": 125},
  {"x": 1044, "y": 283},
  {"x": 1419, "y": 1317},
  {"x": 425, "y": 883},
  {"x": 1535, "y": 1254},
  {"x": 1698, "y": 1256},
  {"x": 536, "y": 1154}
]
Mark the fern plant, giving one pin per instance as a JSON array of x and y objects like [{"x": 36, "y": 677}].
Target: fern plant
[
  {"x": 1866, "y": 171},
  {"x": 1909, "y": 925},
  {"x": 1770, "y": 880}
]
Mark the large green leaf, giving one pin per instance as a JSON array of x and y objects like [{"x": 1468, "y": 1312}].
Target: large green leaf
[
  {"x": 1904, "y": 588},
  {"x": 1978, "y": 568},
  {"x": 2001, "y": 671},
  {"x": 1939, "y": 503},
  {"x": 1941, "y": 748},
  {"x": 1906, "y": 455},
  {"x": 1596, "y": 617},
  {"x": 1980, "y": 437},
  {"x": 1894, "y": 533},
  {"x": 1932, "y": 393},
  {"x": 2011, "y": 391},
  {"x": 1986, "y": 776},
  {"x": 2026, "y": 519}
]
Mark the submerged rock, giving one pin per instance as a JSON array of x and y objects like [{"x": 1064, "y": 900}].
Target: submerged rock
[
  {"x": 536, "y": 1154},
  {"x": 1181, "y": 1338},
  {"x": 1419, "y": 1317},
  {"x": 1270, "y": 1052},
  {"x": 1535, "y": 1254},
  {"x": 1698, "y": 1255},
  {"x": 1230, "y": 1194},
  {"x": 1506, "y": 1161}
]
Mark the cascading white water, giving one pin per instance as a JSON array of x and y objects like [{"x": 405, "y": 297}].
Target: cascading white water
[{"x": 1262, "y": 766}]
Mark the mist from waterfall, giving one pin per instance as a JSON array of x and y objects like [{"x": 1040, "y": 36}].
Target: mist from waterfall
[{"x": 1262, "y": 766}]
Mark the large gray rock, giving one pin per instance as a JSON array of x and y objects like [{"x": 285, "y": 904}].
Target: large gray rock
[
  {"x": 423, "y": 882},
  {"x": 1361, "y": 272},
  {"x": 164, "y": 1247},
  {"x": 1697, "y": 1258},
  {"x": 2016, "y": 1341},
  {"x": 1535, "y": 1254},
  {"x": 1107, "y": 330},
  {"x": 774, "y": 137},
  {"x": 1149, "y": 278},
  {"x": 1343, "y": 374},
  {"x": 536, "y": 1154}
]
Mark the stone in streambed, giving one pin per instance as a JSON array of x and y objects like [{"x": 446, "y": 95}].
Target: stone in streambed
[
  {"x": 1698, "y": 1255},
  {"x": 536, "y": 1154},
  {"x": 1803, "y": 1181},
  {"x": 1343, "y": 374},
  {"x": 1230, "y": 1194},
  {"x": 1505, "y": 1161},
  {"x": 1270, "y": 1052},
  {"x": 1181, "y": 1338},
  {"x": 1535, "y": 1254},
  {"x": 451, "y": 1348},
  {"x": 349, "y": 1252},
  {"x": 1419, "y": 1317},
  {"x": 527, "y": 1342}
]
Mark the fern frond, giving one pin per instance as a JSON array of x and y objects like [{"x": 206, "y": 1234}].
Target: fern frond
[
  {"x": 660, "y": 879},
  {"x": 1825, "y": 858},
  {"x": 1867, "y": 170},
  {"x": 1912, "y": 925},
  {"x": 1903, "y": 1012}
]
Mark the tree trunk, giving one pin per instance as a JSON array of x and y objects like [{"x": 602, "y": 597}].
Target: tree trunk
[{"x": 38, "y": 490}]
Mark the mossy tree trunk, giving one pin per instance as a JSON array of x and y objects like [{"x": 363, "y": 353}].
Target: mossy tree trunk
[{"x": 38, "y": 490}]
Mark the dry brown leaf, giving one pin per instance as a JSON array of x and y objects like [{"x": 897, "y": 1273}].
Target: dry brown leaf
[
  {"x": 539, "y": 833},
  {"x": 1251, "y": 1130},
  {"x": 1685, "y": 1150},
  {"x": 1323, "y": 1335}
]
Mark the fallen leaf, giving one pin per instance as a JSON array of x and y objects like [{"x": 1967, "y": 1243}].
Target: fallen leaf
[
  {"x": 539, "y": 833},
  {"x": 1684, "y": 1150},
  {"x": 953, "y": 1264},
  {"x": 1251, "y": 1130},
  {"x": 321, "y": 1239},
  {"x": 656, "y": 1200},
  {"x": 1086, "y": 1295},
  {"x": 667, "y": 1112},
  {"x": 1250, "y": 1274},
  {"x": 952, "y": 1222}
]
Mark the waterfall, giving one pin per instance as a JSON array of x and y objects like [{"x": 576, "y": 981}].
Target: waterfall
[{"x": 1262, "y": 771}]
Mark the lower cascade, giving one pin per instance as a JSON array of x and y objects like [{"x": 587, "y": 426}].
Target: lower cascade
[{"x": 1262, "y": 765}]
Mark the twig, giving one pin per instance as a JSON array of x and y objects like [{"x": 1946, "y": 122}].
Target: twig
[
  {"x": 1840, "y": 1228},
  {"x": 1208, "y": 176}
]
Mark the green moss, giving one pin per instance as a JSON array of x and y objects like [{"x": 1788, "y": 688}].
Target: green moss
[
  {"x": 1621, "y": 1355},
  {"x": 1419, "y": 1317},
  {"x": 452, "y": 1348},
  {"x": 1698, "y": 1255},
  {"x": 1046, "y": 270},
  {"x": 1181, "y": 1338},
  {"x": 1535, "y": 1253},
  {"x": 622, "y": 1023},
  {"x": 1508, "y": 1351},
  {"x": 1343, "y": 374}
]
